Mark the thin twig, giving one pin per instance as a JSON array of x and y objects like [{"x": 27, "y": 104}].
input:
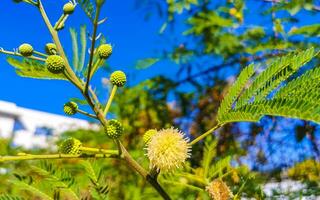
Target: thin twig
[{"x": 93, "y": 43}]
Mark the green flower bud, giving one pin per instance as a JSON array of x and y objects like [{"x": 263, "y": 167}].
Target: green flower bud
[
  {"x": 25, "y": 50},
  {"x": 114, "y": 129},
  {"x": 70, "y": 108},
  {"x": 51, "y": 48},
  {"x": 118, "y": 78},
  {"x": 55, "y": 64},
  {"x": 70, "y": 146},
  {"x": 147, "y": 135},
  {"x": 68, "y": 8},
  {"x": 105, "y": 51}
]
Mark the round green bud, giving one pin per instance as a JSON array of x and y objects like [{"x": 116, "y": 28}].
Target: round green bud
[
  {"x": 114, "y": 129},
  {"x": 147, "y": 135},
  {"x": 70, "y": 146},
  {"x": 51, "y": 48},
  {"x": 118, "y": 78},
  {"x": 25, "y": 50},
  {"x": 68, "y": 8},
  {"x": 55, "y": 64},
  {"x": 105, "y": 51},
  {"x": 70, "y": 108}
]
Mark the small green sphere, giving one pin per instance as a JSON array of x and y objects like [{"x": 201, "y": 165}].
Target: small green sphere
[
  {"x": 55, "y": 64},
  {"x": 68, "y": 8},
  {"x": 70, "y": 108},
  {"x": 51, "y": 48},
  {"x": 147, "y": 135},
  {"x": 25, "y": 50},
  {"x": 70, "y": 146},
  {"x": 114, "y": 129},
  {"x": 105, "y": 51},
  {"x": 118, "y": 78}
]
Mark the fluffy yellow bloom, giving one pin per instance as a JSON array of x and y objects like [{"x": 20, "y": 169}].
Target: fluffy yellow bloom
[
  {"x": 168, "y": 149},
  {"x": 218, "y": 190}
]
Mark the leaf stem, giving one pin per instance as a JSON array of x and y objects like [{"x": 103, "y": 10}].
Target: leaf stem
[
  {"x": 112, "y": 94},
  {"x": 102, "y": 151},
  {"x": 18, "y": 54},
  {"x": 53, "y": 156},
  {"x": 93, "y": 43},
  {"x": 40, "y": 54},
  {"x": 87, "y": 114},
  {"x": 205, "y": 134}
]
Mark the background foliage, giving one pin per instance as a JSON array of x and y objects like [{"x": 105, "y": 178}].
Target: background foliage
[{"x": 210, "y": 42}]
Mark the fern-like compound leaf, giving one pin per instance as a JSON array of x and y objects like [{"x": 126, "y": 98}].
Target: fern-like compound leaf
[
  {"x": 235, "y": 90},
  {"x": 297, "y": 99},
  {"x": 278, "y": 71}
]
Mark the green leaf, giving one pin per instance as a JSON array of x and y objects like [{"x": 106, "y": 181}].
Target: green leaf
[
  {"x": 278, "y": 71},
  {"x": 24, "y": 186},
  {"x": 32, "y": 69},
  {"x": 308, "y": 30},
  {"x": 83, "y": 41},
  {"x": 145, "y": 63},
  {"x": 75, "y": 49}
]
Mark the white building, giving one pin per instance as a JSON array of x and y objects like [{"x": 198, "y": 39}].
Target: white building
[{"x": 31, "y": 128}]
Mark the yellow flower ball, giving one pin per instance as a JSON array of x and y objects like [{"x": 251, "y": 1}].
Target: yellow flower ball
[{"x": 168, "y": 150}]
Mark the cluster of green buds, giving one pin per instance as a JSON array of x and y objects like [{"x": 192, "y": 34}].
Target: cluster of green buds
[
  {"x": 25, "y": 50},
  {"x": 104, "y": 51},
  {"x": 148, "y": 134},
  {"x": 55, "y": 64},
  {"x": 118, "y": 78},
  {"x": 114, "y": 129},
  {"x": 70, "y": 146},
  {"x": 70, "y": 108},
  {"x": 51, "y": 49},
  {"x": 68, "y": 8}
]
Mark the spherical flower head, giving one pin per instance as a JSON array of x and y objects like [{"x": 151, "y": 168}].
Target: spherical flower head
[
  {"x": 55, "y": 64},
  {"x": 25, "y": 50},
  {"x": 218, "y": 190},
  {"x": 70, "y": 108},
  {"x": 70, "y": 146},
  {"x": 147, "y": 135},
  {"x": 51, "y": 48},
  {"x": 168, "y": 149},
  {"x": 68, "y": 8},
  {"x": 114, "y": 129},
  {"x": 105, "y": 51},
  {"x": 118, "y": 78}
]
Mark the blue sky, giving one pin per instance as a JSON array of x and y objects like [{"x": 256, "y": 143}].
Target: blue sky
[{"x": 126, "y": 29}]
